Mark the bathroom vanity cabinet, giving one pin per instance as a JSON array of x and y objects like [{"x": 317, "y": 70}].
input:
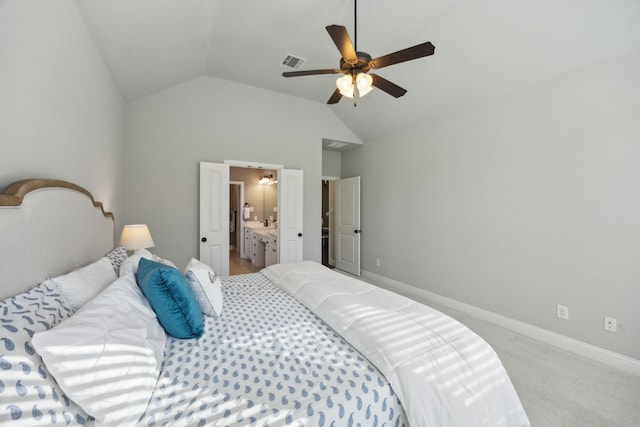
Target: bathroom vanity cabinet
[{"x": 260, "y": 245}]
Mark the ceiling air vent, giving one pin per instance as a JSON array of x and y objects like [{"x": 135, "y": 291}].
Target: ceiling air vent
[
  {"x": 292, "y": 61},
  {"x": 336, "y": 144}
]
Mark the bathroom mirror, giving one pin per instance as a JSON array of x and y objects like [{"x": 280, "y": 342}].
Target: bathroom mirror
[{"x": 271, "y": 200}]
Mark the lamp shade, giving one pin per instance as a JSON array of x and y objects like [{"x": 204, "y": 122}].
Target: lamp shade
[{"x": 136, "y": 236}]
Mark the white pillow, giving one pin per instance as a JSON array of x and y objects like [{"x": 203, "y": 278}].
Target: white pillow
[
  {"x": 130, "y": 265},
  {"x": 84, "y": 283},
  {"x": 107, "y": 356},
  {"x": 206, "y": 286}
]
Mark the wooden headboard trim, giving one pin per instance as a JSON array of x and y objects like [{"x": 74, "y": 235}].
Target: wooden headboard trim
[{"x": 15, "y": 192}]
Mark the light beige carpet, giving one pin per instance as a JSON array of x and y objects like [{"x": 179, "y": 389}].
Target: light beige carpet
[{"x": 559, "y": 388}]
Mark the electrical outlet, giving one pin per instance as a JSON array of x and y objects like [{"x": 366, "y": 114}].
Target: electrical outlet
[
  {"x": 610, "y": 324},
  {"x": 562, "y": 311},
  {"x": 377, "y": 262}
]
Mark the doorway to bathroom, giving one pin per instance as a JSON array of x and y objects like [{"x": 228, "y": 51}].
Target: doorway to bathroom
[
  {"x": 237, "y": 264},
  {"x": 215, "y": 214},
  {"x": 253, "y": 206}
]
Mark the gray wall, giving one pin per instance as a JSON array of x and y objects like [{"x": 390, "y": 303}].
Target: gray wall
[
  {"x": 519, "y": 206},
  {"x": 210, "y": 119},
  {"x": 61, "y": 115},
  {"x": 331, "y": 163}
]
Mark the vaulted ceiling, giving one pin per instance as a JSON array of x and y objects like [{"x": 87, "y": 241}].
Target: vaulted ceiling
[{"x": 484, "y": 50}]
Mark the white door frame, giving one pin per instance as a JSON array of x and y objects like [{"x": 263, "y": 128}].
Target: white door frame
[{"x": 252, "y": 165}]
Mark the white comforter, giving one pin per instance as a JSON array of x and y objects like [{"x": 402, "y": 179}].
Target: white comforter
[{"x": 443, "y": 373}]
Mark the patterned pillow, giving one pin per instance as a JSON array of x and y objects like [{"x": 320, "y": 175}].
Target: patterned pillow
[
  {"x": 116, "y": 256},
  {"x": 28, "y": 393},
  {"x": 206, "y": 287}
]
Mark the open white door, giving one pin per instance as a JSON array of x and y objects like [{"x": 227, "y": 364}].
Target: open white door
[
  {"x": 290, "y": 215},
  {"x": 214, "y": 216},
  {"x": 348, "y": 225}
]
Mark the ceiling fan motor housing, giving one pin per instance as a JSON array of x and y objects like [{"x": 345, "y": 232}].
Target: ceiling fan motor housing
[{"x": 361, "y": 65}]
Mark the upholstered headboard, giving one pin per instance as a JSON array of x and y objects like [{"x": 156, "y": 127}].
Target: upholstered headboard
[{"x": 47, "y": 228}]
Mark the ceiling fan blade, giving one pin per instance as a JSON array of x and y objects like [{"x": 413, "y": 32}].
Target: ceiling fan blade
[
  {"x": 310, "y": 72},
  {"x": 335, "y": 97},
  {"x": 341, "y": 38},
  {"x": 385, "y": 85},
  {"x": 414, "y": 52}
]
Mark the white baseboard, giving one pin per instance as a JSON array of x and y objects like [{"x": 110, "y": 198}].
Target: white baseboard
[{"x": 607, "y": 357}]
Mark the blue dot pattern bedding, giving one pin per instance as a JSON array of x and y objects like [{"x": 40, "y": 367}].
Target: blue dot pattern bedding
[
  {"x": 268, "y": 361},
  {"x": 29, "y": 396}
]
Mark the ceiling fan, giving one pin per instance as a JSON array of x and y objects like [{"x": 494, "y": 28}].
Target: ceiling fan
[{"x": 355, "y": 65}]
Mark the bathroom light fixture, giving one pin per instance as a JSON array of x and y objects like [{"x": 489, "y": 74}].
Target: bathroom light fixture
[
  {"x": 136, "y": 236},
  {"x": 267, "y": 179}
]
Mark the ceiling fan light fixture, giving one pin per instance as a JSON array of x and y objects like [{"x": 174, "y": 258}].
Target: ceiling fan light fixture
[
  {"x": 345, "y": 85},
  {"x": 355, "y": 83},
  {"x": 365, "y": 84}
]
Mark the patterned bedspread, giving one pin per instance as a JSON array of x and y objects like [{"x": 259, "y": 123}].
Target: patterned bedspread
[{"x": 268, "y": 361}]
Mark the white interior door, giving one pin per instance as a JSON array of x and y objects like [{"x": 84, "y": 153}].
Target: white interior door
[
  {"x": 214, "y": 216},
  {"x": 348, "y": 225},
  {"x": 290, "y": 215}
]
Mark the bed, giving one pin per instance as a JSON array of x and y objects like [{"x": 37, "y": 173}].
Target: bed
[{"x": 84, "y": 341}]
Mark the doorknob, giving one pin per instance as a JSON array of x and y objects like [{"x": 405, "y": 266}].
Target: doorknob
[
  {"x": 299, "y": 234},
  {"x": 357, "y": 231},
  {"x": 204, "y": 239}
]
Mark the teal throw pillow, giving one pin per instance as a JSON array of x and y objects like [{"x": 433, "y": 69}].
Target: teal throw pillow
[{"x": 171, "y": 297}]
